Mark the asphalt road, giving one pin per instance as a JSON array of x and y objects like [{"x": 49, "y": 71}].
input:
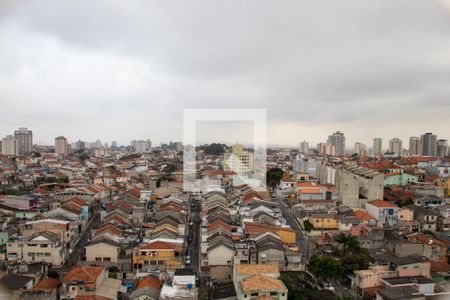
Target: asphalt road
[
  {"x": 302, "y": 239},
  {"x": 195, "y": 251},
  {"x": 78, "y": 251}
]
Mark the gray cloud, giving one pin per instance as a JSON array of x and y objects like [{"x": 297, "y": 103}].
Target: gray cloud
[{"x": 124, "y": 70}]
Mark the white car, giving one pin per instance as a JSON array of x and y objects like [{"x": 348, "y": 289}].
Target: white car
[{"x": 328, "y": 286}]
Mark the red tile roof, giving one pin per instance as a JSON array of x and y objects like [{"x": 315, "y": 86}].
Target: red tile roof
[
  {"x": 159, "y": 245},
  {"x": 381, "y": 203},
  {"x": 148, "y": 282},
  {"x": 84, "y": 273},
  {"x": 362, "y": 215}
]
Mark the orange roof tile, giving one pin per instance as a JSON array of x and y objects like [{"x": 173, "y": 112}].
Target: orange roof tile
[
  {"x": 84, "y": 273},
  {"x": 310, "y": 191},
  {"x": 262, "y": 283},
  {"x": 256, "y": 228},
  {"x": 381, "y": 203},
  {"x": 46, "y": 284},
  {"x": 362, "y": 215},
  {"x": 159, "y": 245},
  {"x": 149, "y": 281}
]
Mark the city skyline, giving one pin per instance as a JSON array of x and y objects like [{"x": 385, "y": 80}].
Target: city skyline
[
  {"x": 349, "y": 144},
  {"x": 121, "y": 77}
]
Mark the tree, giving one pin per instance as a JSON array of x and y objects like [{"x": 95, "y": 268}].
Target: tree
[
  {"x": 213, "y": 149},
  {"x": 273, "y": 177},
  {"x": 296, "y": 292},
  {"x": 325, "y": 268},
  {"x": 349, "y": 243},
  {"x": 169, "y": 169},
  {"x": 356, "y": 262},
  {"x": 307, "y": 225}
]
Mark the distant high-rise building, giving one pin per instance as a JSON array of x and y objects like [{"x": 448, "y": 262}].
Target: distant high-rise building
[
  {"x": 395, "y": 146},
  {"x": 9, "y": 146},
  {"x": 97, "y": 144},
  {"x": 80, "y": 145},
  {"x": 414, "y": 146},
  {"x": 238, "y": 160},
  {"x": 377, "y": 146},
  {"x": 178, "y": 146},
  {"x": 326, "y": 148},
  {"x": 338, "y": 140},
  {"x": 442, "y": 148},
  {"x": 360, "y": 149},
  {"x": 304, "y": 147},
  {"x": 113, "y": 144},
  {"x": 141, "y": 146},
  {"x": 61, "y": 146},
  {"x": 428, "y": 143},
  {"x": 24, "y": 140}
]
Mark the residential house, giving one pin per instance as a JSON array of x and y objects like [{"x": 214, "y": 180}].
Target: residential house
[
  {"x": 219, "y": 260},
  {"x": 41, "y": 246},
  {"x": 427, "y": 218},
  {"x": 287, "y": 234},
  {"x": 147, "y": 288},
  {"x": 399, "y": 293},
  {"x": 267, "y": 248},
  {"x": 254, "y": 281},
  {"x": 165, "y": 256},
  {"x": 385, "y": 213},
  {"x": 367, "y": 281},
  {"x": 89, "y": 281},
  {"x": 182, "y": 286},
  {"x": 410, "y": 265},
  {"x": 400, "y": 179}
]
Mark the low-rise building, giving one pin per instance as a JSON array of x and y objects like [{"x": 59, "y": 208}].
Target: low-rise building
[{"x": 385, "y": 213}]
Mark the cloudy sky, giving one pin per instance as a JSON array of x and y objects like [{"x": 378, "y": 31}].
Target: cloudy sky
[{"x": 124, "y": 70}]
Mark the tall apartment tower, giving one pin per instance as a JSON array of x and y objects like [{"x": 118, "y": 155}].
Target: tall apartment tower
[
  {"x": 24, "y": 140},
  {"x": 338, "y": 140},
  {"x": 428, "y": 143},
  {"x": 238, "y": 160},
  {"x": 395, "y": 145},
  {"x": 61, "y": 146},
  {"x": 9, "y": 146},
  {"x": 414, "y": 146},
  {"x": 377, "y": 148},
  {"x": 360, "y": 149},
  {"x": 304, "y": 147},
  {"x": 442, "y": 148}
]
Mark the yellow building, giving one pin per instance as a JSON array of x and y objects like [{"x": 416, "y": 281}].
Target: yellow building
[
  {"x": 238, "y": 160},
  {"x": 323, "y": 221},
  {"x": 161, "y": 255},
  {"x": 287, "y": 235},
  {"x": 446, "y": 186}
]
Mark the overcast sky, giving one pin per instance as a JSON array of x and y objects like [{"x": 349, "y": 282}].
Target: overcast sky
[{"x": 124, "y": 70}]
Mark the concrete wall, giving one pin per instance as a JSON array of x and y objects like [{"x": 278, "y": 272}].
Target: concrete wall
[{"x": 102, "y": 251}]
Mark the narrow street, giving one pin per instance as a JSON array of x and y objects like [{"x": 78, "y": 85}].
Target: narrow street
[
  {"x": 195, "y": 250},
  {"x": 302, "y": 239},
  {"x": 78, "y": 251}
]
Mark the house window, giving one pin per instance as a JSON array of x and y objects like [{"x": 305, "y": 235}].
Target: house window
[
  {"x": 273, "y": 293},
  {"x": 254, "y": 294}
]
